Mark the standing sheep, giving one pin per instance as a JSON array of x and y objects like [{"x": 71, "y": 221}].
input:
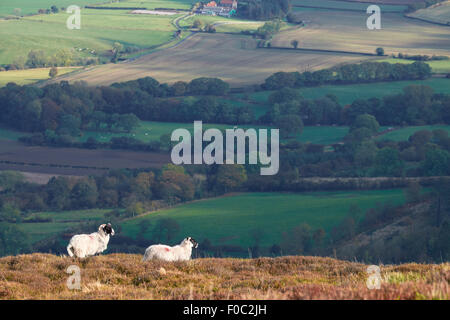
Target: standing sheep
[
  {"x": 85, "y": 245},
  {"x": 181, "y": 252}
]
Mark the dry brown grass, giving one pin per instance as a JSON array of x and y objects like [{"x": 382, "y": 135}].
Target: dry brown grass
[{"x": 124, "y": 276}]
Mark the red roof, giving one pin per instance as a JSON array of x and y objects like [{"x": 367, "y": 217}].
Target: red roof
[{"x": 226, "y": 2}]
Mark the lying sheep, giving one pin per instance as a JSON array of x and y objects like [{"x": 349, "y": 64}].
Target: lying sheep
[
  {"x": 181, "y": 252},
  {"x": 85, "y": 245}
]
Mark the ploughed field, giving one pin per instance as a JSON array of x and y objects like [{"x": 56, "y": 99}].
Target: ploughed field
[
  {"x": 73, "y": 161},
  {"x": 232, "y": 58}
]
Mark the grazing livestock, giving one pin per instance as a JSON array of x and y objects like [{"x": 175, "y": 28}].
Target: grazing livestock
[
  {"x": 181, "y": 252},
  {"x": 85, "y": 245}
]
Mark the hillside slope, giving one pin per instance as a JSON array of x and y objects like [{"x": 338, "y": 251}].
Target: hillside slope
[{"x": 124, "y": 276}]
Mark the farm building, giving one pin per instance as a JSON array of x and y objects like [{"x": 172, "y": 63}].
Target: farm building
[
  {"x": 229, "y": 4},
  {"x": 211, "y": 4},
  {"x": 226, "y": 8}
]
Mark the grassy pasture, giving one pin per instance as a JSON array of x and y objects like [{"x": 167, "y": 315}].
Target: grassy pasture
[
  {"x": 231, "y": 219},
  {"x": 347, "y": 31},
  {"x": 323, "y": 134},
  {"x": 8, "y": 134},
  {"x": 60, "y": 221},
  {"x": 326, "y": 135},
  {"x": 29, "y": 76},
  {"x": 151, "y": 4},
  {"x": 150, "y": 131},
  {"x": 346, "y": 94},
  {"x": 99, "y": 30},
  {"x": 153, "y": 130},
  {"x": 32, "y": 6},
  {"x": 403, "y": 134},
  {"x": 439, "y": 14}
]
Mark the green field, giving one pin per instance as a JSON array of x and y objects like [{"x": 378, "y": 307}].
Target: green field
[
  {"x": 437, "y": 66},
  {"x": 231, "y": 219},
  {"x": 149, "y": 131},
  {"x": 346, "y": 94},
  {"x": 29, "y": 76},
  {"x": 10, "y": 134},
  {"x": 61, "y": 221},
  {"x": 99, "y": 30},
  {"x": 152, "y": 4},
  {"x": 403, "y": 134},
  {"x": 32, "y": 6}
]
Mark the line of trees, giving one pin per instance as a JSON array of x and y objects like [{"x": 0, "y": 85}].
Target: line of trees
[
  {"x": 350, "y": 73},
  {"x": 39, "y": 59},
  {"x": 135, "y": 191},
  {"x": 264, "y": 9},
  {"x": 425, "y": 153},
  {"x": 68, "y": 109},
  {"x": 416, "y": 105},
  {"x": 419, "y": 57}
]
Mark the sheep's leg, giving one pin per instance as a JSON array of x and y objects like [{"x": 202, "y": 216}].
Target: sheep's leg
[
  {"x": 69, "y": 250},
  {"x": 80, "y": 253}
]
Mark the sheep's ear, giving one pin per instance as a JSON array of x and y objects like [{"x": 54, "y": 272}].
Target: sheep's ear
[{"x": 101, "y": 227}]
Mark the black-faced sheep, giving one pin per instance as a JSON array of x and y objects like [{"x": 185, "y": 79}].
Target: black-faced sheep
[{"x": 85, "y": 245}]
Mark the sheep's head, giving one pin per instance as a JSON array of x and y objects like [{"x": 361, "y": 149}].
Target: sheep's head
[
  {"x": 191, "y": 241},
  {"x": 107, "y": 229}
]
